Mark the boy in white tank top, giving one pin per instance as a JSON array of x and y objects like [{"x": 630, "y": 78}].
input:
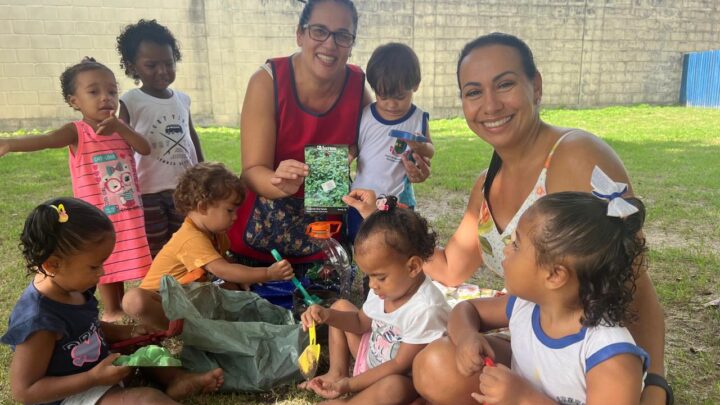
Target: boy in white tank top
[{"x": 393, "y": 72}]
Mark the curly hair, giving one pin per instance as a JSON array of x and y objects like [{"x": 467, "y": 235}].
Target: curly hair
[
  {"x": 128, "y": 43},
  {"x": 405, "y": 231},
  {"x": 68, "y": 76},
  {"x": 573, "y": 229},
  {"x": 44, "y": 235},
  {"x": 207, "y": 182}
]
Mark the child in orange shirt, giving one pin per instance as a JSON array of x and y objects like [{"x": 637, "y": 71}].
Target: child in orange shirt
[{"x": 209, "y": 195}]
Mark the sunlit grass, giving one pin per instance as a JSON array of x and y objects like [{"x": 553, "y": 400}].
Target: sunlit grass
[{"x": 671, "y": 153}]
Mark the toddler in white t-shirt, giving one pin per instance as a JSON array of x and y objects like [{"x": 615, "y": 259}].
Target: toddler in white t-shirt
[
  {"x": 403, "y": 312},
  {"x": 149, "y": 54}
]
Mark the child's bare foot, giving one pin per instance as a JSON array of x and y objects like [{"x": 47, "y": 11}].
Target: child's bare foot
[
  {"x": 187, "y": 384},
  {"x": 112, "y": 317}
]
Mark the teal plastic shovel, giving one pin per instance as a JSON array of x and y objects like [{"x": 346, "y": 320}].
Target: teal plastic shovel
[{"x": 307, "y": 298}]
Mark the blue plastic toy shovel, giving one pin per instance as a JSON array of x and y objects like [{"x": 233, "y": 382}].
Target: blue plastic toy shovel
[
  {"x": 307, "y": 298},
  {"x": 407, "y": 136}
]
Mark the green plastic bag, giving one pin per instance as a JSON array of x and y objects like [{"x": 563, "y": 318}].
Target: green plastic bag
[{"x": 255, "y": 342}]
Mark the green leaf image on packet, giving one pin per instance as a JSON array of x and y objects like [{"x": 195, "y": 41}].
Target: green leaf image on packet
[
  {"x": 148, "y": 356},
  {"x": 329, "y": 178}
]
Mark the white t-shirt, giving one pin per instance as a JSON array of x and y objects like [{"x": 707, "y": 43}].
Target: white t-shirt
[
  {"x": 558, "y": 367},
  {"x": 379, "y": 165},
  {"x": 165, "y": 123},
  {"x": 422, "y": 319}
]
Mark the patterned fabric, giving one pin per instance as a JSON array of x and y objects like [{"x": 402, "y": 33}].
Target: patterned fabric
[
  {"x": 103, "y": 174},
  {"x": 421, "y": 320},
  {"x": 165, "y": 123},
  {"x": 81, "y": 345},
  {"x": 263, "y": 224},
  {"x": 493, "y": 242},
  {"x": 162, "y": 220},
  {"x": 281, "y": 224}
]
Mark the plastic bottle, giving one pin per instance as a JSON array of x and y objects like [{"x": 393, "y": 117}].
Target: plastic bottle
[{"x": 321, "y": 233}]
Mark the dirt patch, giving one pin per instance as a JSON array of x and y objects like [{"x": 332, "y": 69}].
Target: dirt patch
[
  {"x": 444, "y": 210},
  {"x": 692, "y": 357},
  {"x": 450, "y": 203},
  {"x": 660, "y": 237}
]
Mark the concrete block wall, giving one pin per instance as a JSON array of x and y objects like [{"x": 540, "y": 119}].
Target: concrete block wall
[
  {"x": 39, "y": 40},
  {"x": 590, "y": 52}
]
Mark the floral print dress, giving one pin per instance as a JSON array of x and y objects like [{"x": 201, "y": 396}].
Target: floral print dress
[{"x": 493, "y": 242}]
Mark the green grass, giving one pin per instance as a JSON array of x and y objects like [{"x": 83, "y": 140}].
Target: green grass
[{"x": 671, "y": 153}]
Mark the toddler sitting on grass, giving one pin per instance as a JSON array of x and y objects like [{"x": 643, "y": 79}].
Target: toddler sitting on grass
[{"x": 209, "y": 195}]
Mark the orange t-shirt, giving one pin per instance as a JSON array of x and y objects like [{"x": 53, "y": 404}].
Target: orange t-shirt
[{"x": 185, "y": 254}]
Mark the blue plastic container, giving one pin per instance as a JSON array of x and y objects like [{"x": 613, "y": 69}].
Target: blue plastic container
[{"x": 279, "y": 293}]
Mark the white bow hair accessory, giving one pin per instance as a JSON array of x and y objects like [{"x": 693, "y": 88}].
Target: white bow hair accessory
[{"x": 604, "y": 187}]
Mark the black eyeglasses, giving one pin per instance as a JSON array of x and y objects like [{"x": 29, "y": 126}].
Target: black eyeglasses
[{"x": 321, "y": 33}]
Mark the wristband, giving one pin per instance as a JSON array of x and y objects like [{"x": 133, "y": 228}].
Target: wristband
[{"x": 659, "y": 381}]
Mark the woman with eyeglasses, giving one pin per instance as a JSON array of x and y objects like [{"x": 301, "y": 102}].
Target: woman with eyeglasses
[{"x": 311, "y": 97}]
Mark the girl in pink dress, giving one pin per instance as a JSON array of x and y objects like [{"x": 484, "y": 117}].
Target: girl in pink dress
[{"x": 102, "y": 168}]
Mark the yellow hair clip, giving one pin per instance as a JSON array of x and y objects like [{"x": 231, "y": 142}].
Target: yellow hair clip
[{"x": 61, "y": 213}]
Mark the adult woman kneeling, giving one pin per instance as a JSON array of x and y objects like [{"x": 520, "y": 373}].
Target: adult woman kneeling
[
  {"x": 501, "y": 91},
  {"x": 311, "y": 97}
]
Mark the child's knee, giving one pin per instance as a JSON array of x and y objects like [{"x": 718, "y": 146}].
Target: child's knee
[
  {"x": 430, "y": 367},
  {"x": 395, "y": 389},
  {"x": 394, "y": 381},
  {"x": 135, "y": 302},
  {"x": 137, "y": 396},
  {"x": 147, "y": 395},
  {"x": 343, "y": 305}
]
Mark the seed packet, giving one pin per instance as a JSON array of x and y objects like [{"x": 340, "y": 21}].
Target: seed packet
[{"x": 329, "y": 178}]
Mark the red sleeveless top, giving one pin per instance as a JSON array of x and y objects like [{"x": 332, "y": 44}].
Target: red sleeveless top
[{"x": 296, "y": 127}]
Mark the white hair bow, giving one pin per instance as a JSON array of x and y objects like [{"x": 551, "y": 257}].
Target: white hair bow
[{"x": 604, "y": 187}]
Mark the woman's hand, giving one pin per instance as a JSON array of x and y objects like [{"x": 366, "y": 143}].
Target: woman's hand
[
  {"x": 417, "y": 171},
  {"x": 289, "y": 176},
  {"x": 470, "y": 353},
  {"x": 314, "y": 315},
  {"x": 361, "y": 200}
]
